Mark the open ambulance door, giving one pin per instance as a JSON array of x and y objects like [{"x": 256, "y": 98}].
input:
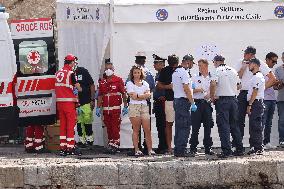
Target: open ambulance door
[{"x": 36, "y": 64}]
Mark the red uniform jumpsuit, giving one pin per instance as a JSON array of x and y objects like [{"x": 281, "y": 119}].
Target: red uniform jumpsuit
[
  {"x": 111, "y": 90},
  {"x": 66, "y": 107}
]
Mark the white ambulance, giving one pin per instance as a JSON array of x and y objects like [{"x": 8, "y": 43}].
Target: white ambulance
[{"x": 8, "y": 109}]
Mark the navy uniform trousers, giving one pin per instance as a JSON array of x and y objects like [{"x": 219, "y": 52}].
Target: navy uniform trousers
[
  {"x": 182, "y": 124},
  {"x": 256, "y": 124},
  {"x": 227, "y": 122},
  {"x": 242, "y": 105},
  {"x": 159, "y": 110},
  {"x": 203, "y": 114}
]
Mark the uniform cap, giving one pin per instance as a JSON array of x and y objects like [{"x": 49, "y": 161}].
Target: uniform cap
[
  {"x": 107, "y": 61},
  {"x": 250, "y": 49},
  {"x": 255, "y": 61},
  {"x": 188, "y": 57},
  {"x": 219, "y": 58},
  {"x": 158, "y": 59},
  {"x": 70, "y": 57}
]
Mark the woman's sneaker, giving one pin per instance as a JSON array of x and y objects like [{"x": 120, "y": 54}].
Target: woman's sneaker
[
  {"x": 268, "y": 146},
  {"x": 152, "y": 153},
  {"x": 138, "y": 154}
]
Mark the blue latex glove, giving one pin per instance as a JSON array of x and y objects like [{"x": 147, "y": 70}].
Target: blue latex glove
[
  {"x": 124, "y": 111},
  {"x": 98, "y": 112},
  {"x": 75, "y": 91},
  {"x": 193, "y": 86},
  {"x": 193, "y": 107},
  {"x": 79, "y": 111}
]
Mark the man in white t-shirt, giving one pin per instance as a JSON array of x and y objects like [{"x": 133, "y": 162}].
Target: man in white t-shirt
[
  {"x": 203, "y": 114},
  {"x": 183, "y": 105},
  {"x": 255, "y": 107},
  {"x": 245, "y": 76},
  {"x": 223, "y": 90}
]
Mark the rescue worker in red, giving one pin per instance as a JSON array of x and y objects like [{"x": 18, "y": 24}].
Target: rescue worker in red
[
  {"x": 66, "y": 102},
  {"x": 34, "y": 141},
  {"x": 110, "y": 96}
]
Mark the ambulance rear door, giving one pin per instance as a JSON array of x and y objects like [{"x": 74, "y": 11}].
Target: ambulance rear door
[{"x": 36, "y": 64}]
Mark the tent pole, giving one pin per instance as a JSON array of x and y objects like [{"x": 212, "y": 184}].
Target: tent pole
[{"x": 111, "y": 27}]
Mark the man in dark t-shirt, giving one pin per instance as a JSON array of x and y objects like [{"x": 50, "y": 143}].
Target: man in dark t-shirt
[
  {"x": 164, "y": 83},
  {"x": 85, "y": 110}
]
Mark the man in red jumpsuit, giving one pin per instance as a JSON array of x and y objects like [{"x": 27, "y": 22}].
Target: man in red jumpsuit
[
  {"x": 66, "y": 105},
  {"x": 111, "y": 93}
]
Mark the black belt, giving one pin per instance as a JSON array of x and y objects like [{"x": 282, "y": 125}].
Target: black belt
[
  {"x": 182, "y": 98},
  {"x": 224, "y": 97},
  {"x": 200, "y": 101},
  {"x": 259, "y": 100}
]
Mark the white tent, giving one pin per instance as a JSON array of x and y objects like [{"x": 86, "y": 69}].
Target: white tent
[{"x": 94, "y": 29}]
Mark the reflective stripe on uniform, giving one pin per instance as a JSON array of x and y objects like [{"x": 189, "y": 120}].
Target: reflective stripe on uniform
[
  {"x": 116, "y": 141},
  {"x": 112, "y": 94},
  {"x": 63, "y": 144},
  {"x": 29, "y": 145},
  {"x": 66, "y": 99},
  {"x": 114, "y": 145},
  {"x": 63, "y": 85},
  {"x": 39, "y": 147},
  {"x": 70, "y": 146},
  {"x": 38, "y": 140},
  {"x": 111, "y": 108},
  {"x": 70, "y": 139},
  {"x": 62, "y": 137},
  {"x": 29, "y": 139}
]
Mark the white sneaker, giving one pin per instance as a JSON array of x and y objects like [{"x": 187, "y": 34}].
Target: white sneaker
[
  {"x": 233, "y": 149},
  {"x": 281, "y": 144},
  {"x": 138, "y": 154},
  {"x": 269, "y": 146},
  {"x": 152, "y": 153}
]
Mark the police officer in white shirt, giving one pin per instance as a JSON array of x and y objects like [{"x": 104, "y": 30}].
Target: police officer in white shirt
[
  {"x": 183, "y": 105},
  {"x": 255, "y": 107},
  {"x": 245, "y": 76},
  {"x": 223, "y": 90},
  {"x": 203, "y": 114}
]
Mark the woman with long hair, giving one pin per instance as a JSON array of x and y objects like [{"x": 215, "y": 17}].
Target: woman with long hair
[{"x": 138, "y": 91}]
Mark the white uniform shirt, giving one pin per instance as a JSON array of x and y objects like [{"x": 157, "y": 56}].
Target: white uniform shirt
[
  {"x": 257, "y": 82},
  {"x": 132, "y": 88},
  {"x": 201, "y": 82},
  {"x": 180, "y": 77},
  {"x": 245, "y": 80},
  {"x": 227, "y": 81}
]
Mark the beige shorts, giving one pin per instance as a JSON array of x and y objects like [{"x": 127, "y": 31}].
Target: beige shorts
[
  {"x": 169, "y": 111},
  {"x": 139, "y": 110}
]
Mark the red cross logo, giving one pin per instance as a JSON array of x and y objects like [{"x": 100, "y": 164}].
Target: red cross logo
[
  {"x": 59, "y": 77},
  {"x": 33, "y": 57}
]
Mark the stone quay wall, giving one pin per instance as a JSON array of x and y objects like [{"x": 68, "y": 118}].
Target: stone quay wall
[{"x": 177, "y": 173}]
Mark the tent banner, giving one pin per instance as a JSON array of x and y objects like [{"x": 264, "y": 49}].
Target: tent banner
[
  {"x": 83, "y": 13},
  {"x": 199, "y": 12}
]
